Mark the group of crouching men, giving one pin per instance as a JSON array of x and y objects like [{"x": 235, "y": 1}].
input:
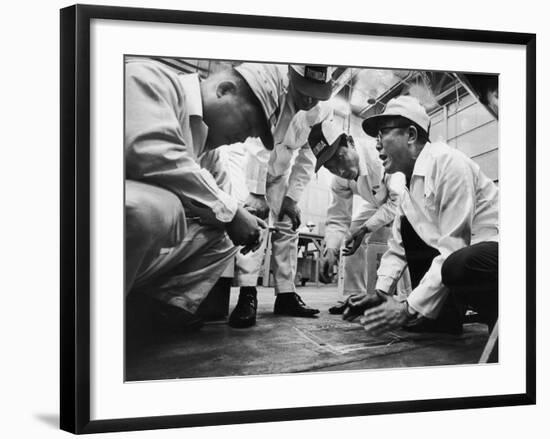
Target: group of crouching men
[{"x": 211, "y": 162}]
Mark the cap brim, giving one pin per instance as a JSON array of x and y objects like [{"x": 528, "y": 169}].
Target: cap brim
[
  {"x": 327, "y": 154},
  {"x": 371, "y": 124},
  {"x": 321, "y": 90}
]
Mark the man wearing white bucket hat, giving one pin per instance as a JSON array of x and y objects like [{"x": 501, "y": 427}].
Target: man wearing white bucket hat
[
  {"x": 292, "y": 96},
  {"x": 445, "y": 231},
  {"x": 357, "y": 171}
]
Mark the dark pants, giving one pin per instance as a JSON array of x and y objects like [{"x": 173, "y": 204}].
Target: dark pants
[{"x": 471, "y": 274}]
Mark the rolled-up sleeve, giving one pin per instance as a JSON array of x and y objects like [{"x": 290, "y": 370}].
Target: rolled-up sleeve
[
  {"x": 395, "y": 184},
  {"x": 157, "y": 151},
  {"x": 339, "y": 213}
]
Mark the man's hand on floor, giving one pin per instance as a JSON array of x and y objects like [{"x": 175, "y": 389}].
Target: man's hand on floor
[
  {"x": 390, "y": 314},
  {"x": 356, "y": 304}
]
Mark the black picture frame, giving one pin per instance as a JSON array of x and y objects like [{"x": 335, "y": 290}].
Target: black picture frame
[{"x": 75, "y": 217}]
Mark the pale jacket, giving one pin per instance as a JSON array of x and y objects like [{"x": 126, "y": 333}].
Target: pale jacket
[
  {"x": 381, "y": 191},
  {"x": 165, "y": 137},
  {"x": 290, "y": 129},
  {"x": 450, "y": 204}
]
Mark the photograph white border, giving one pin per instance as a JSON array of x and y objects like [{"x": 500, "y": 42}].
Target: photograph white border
[{"x": 112, "y": 398}]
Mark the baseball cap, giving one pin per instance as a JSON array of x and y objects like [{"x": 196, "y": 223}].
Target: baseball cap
[
  {"x": 324, "y": 139},
  {"x": 312, "y": 80},
  {"x": 267, "y": 84},
  {"x": 405, "y": 106}
]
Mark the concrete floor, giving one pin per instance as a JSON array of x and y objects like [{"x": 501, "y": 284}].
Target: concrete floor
[{"x": 280, "y": 344}]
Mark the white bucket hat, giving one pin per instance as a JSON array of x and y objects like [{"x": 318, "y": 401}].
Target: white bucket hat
[{"x": 405, "y": 106}]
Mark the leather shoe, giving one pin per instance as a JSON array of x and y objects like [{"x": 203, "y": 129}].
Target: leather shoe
[
  {"x": 435, "y": 326},
  {"x": 290, "y": 304},
  {"x": 172, "y": 319},
  {"x": 244, "y": 314}
]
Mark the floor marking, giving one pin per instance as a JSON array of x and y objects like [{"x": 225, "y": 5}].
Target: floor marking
[
  {"x": 343, "y": 349},
  {"x": 321, "y": 345}
]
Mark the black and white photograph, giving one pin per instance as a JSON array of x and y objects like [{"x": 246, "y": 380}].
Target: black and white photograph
[{"x": 307, "y": 218}]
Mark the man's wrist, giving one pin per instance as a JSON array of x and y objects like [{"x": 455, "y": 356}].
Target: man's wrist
[{"x": 410, "y": 311}]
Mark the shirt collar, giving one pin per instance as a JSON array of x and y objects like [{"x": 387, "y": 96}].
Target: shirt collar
[
  {"x": 422, "y": 164},
  {"x": 192, "y": 90}
]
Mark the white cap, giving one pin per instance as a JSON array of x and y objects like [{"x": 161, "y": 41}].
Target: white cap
[
  {"x": 405, "y": 106},
  {"x": 267, "y": 83},
  {"x": 312, "y": 80}
]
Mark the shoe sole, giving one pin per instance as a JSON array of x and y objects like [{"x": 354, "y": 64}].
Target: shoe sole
[
  {"x": 281, "y": 313},
  {"x": 240, "y": 325}
]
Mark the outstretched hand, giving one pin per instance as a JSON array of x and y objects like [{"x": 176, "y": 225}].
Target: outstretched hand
[
  {"x": 354, "y": 241},
  {"x": 326, "y": 266}
]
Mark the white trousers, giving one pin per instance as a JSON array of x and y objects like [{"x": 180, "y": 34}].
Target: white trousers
[
  {"x": 169, "y": 257},
  {"x": 284, "y": 245},
  {"x": 284, "y": 250},
  {"x": 355, "y": 266}
]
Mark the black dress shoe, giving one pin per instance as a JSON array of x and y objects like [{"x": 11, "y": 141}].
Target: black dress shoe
[
  {"x": 435, "y": 326},
  {"x": 290, "y": 304},
  {"x": 244, "y": 314},
  {"x": 172, "y": 319},
  {"x": 449, "y": 320}
]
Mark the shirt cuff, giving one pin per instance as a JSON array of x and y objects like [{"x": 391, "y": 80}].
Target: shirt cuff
[
  {"x": 294, "y": 193},
  {"x": 373, "y": 226},
  {"x": 225, "y": 207},
  {"x": 256, "y": 186},
  {"x": 413, "y": 307},
  {"x": 428, "y": 308},
  {"x": 384, "y": 283}
]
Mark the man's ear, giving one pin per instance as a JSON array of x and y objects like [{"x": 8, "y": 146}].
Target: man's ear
[
  {"x": 413, "y": 134},
  {"x": 226, "y": 86}
]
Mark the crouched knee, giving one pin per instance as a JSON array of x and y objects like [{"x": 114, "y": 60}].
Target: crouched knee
[
  {"x": 149, "y": 210},
  {"x": 453, "y": 270}
]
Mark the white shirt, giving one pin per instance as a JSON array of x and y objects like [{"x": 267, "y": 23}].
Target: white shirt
[
  {"x": 165, "y": 136},
  {"x": 290, "y": 132},
  {"x": 382, "y": 191},
  {"x": 450, "y": 204}
]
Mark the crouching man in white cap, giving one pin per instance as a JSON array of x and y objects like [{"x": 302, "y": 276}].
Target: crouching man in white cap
[
  {"x": 182, "y": 229},
  {"x": 446, "y": 229},
  {"x": 275, "y": 184},
  {"x": 357, "y": 171}
]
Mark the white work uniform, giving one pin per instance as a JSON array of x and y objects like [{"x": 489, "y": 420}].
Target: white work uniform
[
  {"x": 169, "y": 253},
  {"x": 450, "y": 204},
  {"x": 381, "y": 195},
  {"x": 285, "y": 171}
]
